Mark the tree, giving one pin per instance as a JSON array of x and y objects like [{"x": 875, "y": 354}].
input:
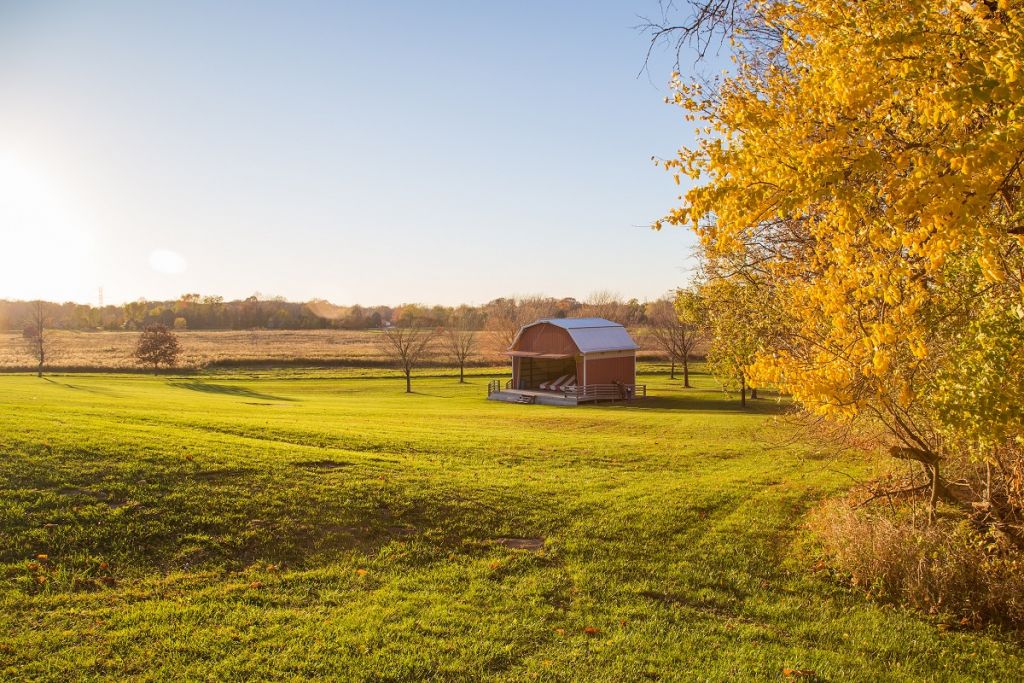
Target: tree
[
  {"x": 505, "y": 317},
  {"x": 739, "y": 326},
  {"x": 459, "y": 338},
  {"x": 673, "y": 335},
  {"x": 605, "y": 304},
  {"x": 692, "y": 312},
  {"x": 36, "y": 334},
  {"x": 863, "y": 162},
  {"x": 157, "y": 346},
  {"x": 407, "y": 347}
]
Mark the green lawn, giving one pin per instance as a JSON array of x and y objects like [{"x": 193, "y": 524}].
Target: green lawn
[{"x": 308, "y": 524}]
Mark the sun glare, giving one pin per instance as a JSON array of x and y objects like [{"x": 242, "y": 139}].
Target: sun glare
[
  {"x": 167, "y": 261},
  {"x": 48, "y": 251}
]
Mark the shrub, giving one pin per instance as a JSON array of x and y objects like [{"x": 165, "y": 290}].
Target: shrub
[
  {"x": 948, "y": 567},
  {"x": 157, "y": 346}
]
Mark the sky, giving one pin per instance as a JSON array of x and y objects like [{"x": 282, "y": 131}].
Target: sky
[{"x": 360, "y": 152}]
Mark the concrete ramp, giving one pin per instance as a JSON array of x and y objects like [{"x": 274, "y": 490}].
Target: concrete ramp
[{"x": 532, "y": 397}]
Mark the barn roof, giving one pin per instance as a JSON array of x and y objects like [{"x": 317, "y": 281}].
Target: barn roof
[{"x": 591, "y": 335}]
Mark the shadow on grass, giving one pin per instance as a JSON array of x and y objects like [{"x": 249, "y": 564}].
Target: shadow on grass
[
  {"x": 208, "y": 388},
  {"x": 76, "y": 387},
  {"x": 759, "y": 406}
]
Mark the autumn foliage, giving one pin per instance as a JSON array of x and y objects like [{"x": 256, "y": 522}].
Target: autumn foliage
[
  {"x": 860, "y": 166},
  {"x": 157, "y": 346}
]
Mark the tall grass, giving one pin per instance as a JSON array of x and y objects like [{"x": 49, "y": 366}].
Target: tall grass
[{"x": 949, "y": 568}]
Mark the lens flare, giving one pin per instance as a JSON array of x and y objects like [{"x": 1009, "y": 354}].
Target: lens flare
[{"x": 167, "y": 261}]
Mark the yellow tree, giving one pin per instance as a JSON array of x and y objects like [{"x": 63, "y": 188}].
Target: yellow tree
[
  {"x": 865, "y": 164},
  {"x": 740, "y": 324}
]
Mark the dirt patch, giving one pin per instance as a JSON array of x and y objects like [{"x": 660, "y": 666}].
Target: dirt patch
[
  {"x": 531, "y": 544},
  {"x": 322, "y": 465}
]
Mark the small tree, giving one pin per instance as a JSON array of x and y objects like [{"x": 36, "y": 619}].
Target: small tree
[
  {"x": 406, "y": 346},
  {"x": 37, "y": 336},
  {"x": 157, "y": 346},
  {"x": 675, "y": 336},
  {"x": 692, "y": 312},
  {"x": 459, "y": 339},
  {"x": 740, "y": 322}
]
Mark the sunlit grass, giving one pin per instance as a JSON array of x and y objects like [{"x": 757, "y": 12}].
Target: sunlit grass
[{"x": 303, "y": 524}]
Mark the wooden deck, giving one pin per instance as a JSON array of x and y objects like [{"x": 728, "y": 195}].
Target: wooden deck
[{"x": 565, "y": 397}]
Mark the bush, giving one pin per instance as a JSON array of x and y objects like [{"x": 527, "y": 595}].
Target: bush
[
  {"x": 947, "y": 568},
  {"x": 157, "y": 346}
]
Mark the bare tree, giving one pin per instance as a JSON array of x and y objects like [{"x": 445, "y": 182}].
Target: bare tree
[
  {"x": 605, "y": 304},
  {"x": 406, "y": 346},
  {"x": 505, "y": 317},
  {"x": 674, "y": 337},
  {"x": 157, "y": 346},
  {"x": 703, "y": 25},
  {"x": 36, "y": 334},
  {"x": 459, "y": 338}
]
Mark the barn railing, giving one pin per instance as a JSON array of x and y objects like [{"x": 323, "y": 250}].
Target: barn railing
[
  {"x": 607, "y": 392},
  {"x": 586, "y": 392}
]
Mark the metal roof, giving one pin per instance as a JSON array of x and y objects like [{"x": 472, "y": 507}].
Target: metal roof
[
  {"x": 591, "y": 335},
  {"x": 576, "y": 323}
]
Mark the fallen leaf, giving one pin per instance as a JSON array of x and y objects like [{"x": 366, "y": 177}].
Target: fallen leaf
[
  {"x": 361, "y": 572},
  {"x": 42, "y": 557},
  {"x": 797, "y": 673},
  {"x": 256, "y": 584},
  {"x": 591, "y": 630},
  {"x": 104, "y": 565}
]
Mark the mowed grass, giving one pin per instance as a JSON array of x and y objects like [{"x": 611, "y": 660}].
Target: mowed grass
[{"x": 298, "y": 525}]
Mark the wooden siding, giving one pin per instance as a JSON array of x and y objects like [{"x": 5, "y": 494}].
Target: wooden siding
[
  {"x": 609, "y": 370},
  {"x": 545, "y": 338}
]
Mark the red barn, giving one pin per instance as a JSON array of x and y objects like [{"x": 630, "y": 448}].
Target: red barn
[{"x": 565, "y": 361}]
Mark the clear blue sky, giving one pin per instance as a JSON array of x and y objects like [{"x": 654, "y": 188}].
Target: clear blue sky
[{"x": 370, "y": 152}]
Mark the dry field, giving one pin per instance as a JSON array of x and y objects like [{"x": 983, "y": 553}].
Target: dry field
[{"x": 113, "y": 350}]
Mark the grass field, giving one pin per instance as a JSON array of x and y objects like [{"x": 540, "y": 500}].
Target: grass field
[{"x": 290, "y": 525}]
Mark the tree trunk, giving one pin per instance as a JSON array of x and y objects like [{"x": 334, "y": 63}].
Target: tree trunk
[
  {"x": 988, "y": 482},
  {"x": 672, "y": 374},
  {"x": 743, "y": 391},
  {"x": 462, "y": 373},
  {"x": 753, "y": 392},
  {"x": 934, "y": 500},
  {"x": 686, "y": 372},
  {"x": 408, "y": 382}
]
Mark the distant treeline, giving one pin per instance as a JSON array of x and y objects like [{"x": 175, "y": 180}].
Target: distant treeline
[{"x": 198, "y": 312}]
